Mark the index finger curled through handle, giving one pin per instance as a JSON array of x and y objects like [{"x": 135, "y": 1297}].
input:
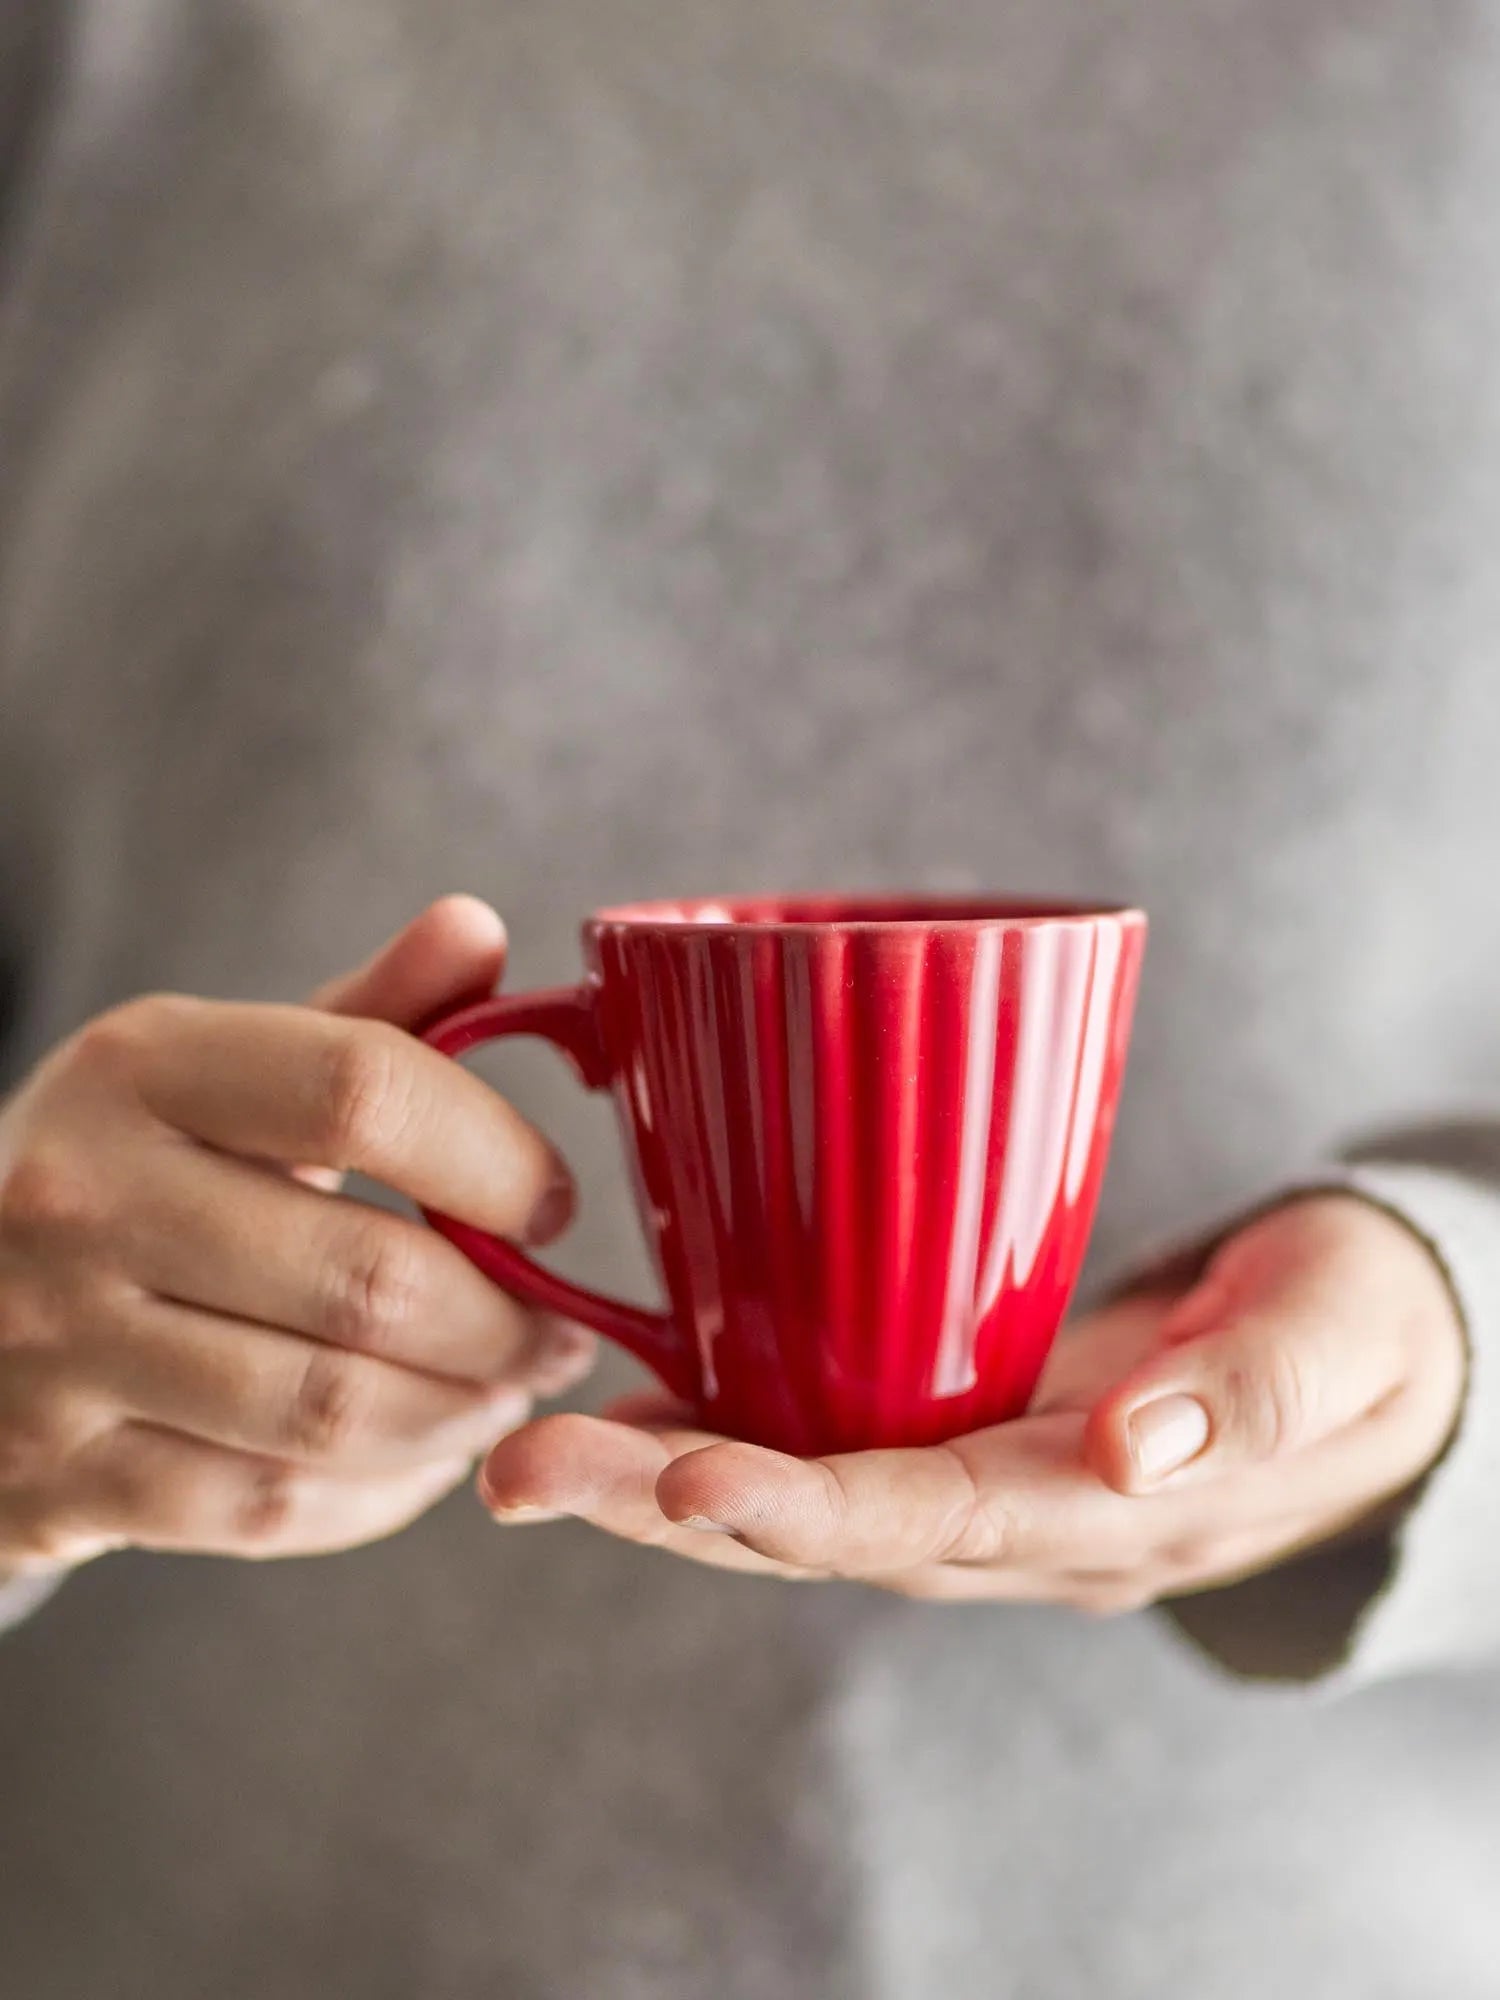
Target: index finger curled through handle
[{"x": 296, "y": 1085}]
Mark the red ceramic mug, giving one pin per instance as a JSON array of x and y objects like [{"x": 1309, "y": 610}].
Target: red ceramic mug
[{"x": 868, "y": 1138}]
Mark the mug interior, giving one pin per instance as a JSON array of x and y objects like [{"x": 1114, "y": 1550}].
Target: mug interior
[{"x": 847, "y": 912}]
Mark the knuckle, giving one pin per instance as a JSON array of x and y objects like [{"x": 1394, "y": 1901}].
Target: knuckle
[
  {"x": 42, "y": 1431},
  {"x": 327, "y": 1415},
  {"x": 110, "y": 1044},
  {"x": 36, "y": 1542},
  {"x": 45, "y": 1196},
  {"x": 974, "y": 1529},
  {"x": 28, "y": 1323},
  {"x": 1268, "y": 1398},
  {"x": 375, "y": 1294},
  {"x": 29, "y": 1449},
  {"x": 128, "y": 1493},
  {"x": 39, "y": 1533},
  {"x": 363, "y": 1108},
  {"x": 266, "y": 1504},
  {"x": 831, "y": 1542}
]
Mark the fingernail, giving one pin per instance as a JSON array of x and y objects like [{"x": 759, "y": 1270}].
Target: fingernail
[
  {"x": 563, "y": 1355},
  {"x": 551, "y": 1215},
  {"x": 704, "y": 1526},
  {"x": 496, "y": 1418},
  {"x": 1165, "y": 1436},
  {"x": 505, "y": 1407},
  {"x": 514, "y": 1514}
]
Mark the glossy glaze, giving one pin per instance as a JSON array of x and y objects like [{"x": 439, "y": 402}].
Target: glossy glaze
[{"x": 868, "y": 1140}]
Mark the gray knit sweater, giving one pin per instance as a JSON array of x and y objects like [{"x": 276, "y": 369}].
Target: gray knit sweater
[{"x": 574, "y": 451}]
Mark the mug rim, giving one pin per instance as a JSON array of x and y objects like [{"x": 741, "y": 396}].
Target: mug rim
[{"x": 770, "y": 915}]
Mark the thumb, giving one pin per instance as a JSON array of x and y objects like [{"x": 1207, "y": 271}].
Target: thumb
[
  {"x": 453, "y": 952},
  {"x": 1259, "y": 1361}
]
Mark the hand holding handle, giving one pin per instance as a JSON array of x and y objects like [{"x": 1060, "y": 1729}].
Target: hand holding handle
[{"x": 566, "y": 1017}]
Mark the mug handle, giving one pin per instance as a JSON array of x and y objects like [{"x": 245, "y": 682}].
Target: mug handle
[{"x": 564, "y": 1016}]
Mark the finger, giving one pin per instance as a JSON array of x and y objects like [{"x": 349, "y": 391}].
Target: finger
[
  {"x": 1226, "y": 1529},
  {"x": 1089, "y": 1545},
  {"x": 287, "y": 1083},
  {"x": 211, "y": 1231},
  {"x": 453, "y": 952},
  {"x": 1265, "y": 1374},
  {"x": 1097, "y": 1350},
  {"x": 587, "y": 1469},
  {"x": 1017, "y": 1497},
  {"x": 158, "y": 1489},
  {"x": 235, "y": 1384}
]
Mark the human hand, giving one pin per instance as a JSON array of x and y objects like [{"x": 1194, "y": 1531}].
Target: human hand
[
  {"x": 204, "y": 1346},
  {"x": 1308, "y": 1378}
]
